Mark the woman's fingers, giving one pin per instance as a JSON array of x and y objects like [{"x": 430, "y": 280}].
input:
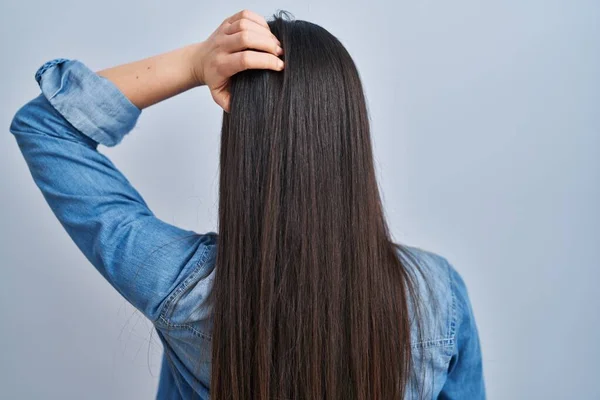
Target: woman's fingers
[
  {"x": 248, "y": 25},
  {"x": 222, "y": 98},
  {"x": 251, "y": 40},
  {"x": 243, "y": 41},
  {"x": 247, "y": 14},
  {"x": 250, "y": 59}
]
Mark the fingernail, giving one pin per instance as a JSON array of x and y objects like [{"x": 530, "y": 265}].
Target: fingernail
[
  {"x": 279, "y": 50},
  {"x": 280, "y": 64}
]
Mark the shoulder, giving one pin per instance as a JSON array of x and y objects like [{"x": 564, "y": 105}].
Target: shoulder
[
  {"x": 435, "y": 267},
  {"x": 428, "y": 268},
  {"x": 439, "y": 296},
  {"x": 448, "y": 346}
]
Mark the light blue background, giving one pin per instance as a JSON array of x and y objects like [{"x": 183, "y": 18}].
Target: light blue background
[{"x": 486, "y": 126}]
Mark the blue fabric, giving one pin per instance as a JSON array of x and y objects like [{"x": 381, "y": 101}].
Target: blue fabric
[{"x": 166, "y": 272}]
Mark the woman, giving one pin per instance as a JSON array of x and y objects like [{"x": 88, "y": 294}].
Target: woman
[{"x": 302, "y": 294}]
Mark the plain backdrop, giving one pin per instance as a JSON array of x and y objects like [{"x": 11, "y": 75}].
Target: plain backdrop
[{"x": 486, "y": 127}]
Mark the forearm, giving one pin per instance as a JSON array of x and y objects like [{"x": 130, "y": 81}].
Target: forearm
[
  {"x": 156, "y": 78},
  {"x": 243, "y": 41}
]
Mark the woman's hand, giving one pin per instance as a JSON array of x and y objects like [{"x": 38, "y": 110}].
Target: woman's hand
[{"x": 243, "y": 41}]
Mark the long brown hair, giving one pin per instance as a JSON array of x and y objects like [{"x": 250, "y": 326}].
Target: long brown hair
[{"x": 310, "y": 298}]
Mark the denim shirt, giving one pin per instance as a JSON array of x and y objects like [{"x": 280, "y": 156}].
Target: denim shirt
[{"x": 166, "y": 272}]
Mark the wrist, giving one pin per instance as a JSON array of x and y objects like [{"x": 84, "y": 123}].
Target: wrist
[{"x": 195, "y": 55}]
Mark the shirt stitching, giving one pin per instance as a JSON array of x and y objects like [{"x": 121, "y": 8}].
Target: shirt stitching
[
  {"x": 46, "y": 66},
  {"x": 453, "y": 320},
  {"x": 194, "y": 331},
  {"x": 442, "y": 342},
  {"x": 170, "y": 302}
]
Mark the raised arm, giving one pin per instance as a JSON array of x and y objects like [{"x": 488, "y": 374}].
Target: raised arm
[
  {"x": 241, "y": 42},
  {"x": 58, "y": 132}
]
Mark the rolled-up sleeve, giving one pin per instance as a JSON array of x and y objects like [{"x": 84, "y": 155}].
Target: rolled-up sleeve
[
  {"x": 58, "y": 132},
  {"x": 90, "y": 102}
]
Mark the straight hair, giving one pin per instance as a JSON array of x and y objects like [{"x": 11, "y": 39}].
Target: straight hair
[{"x": 310, "y": 297}]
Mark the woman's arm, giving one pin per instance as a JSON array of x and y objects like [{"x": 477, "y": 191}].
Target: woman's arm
[
  {"x": 58, "y": 132},
  {"x": 153, "y": 79},
  {"x": 231, "y": 48},
  {"x": 465, "y": 378}
]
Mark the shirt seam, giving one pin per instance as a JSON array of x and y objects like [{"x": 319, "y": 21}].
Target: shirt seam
[
  {"x": 167, "y": 308},
  {"x": 453, "y": 320},
  {"x": 194, "y": 331},
  {"x": 424, "y": 344}
]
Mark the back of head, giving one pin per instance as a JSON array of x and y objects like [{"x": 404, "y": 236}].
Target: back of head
[{"x": 309, "y": 295}]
